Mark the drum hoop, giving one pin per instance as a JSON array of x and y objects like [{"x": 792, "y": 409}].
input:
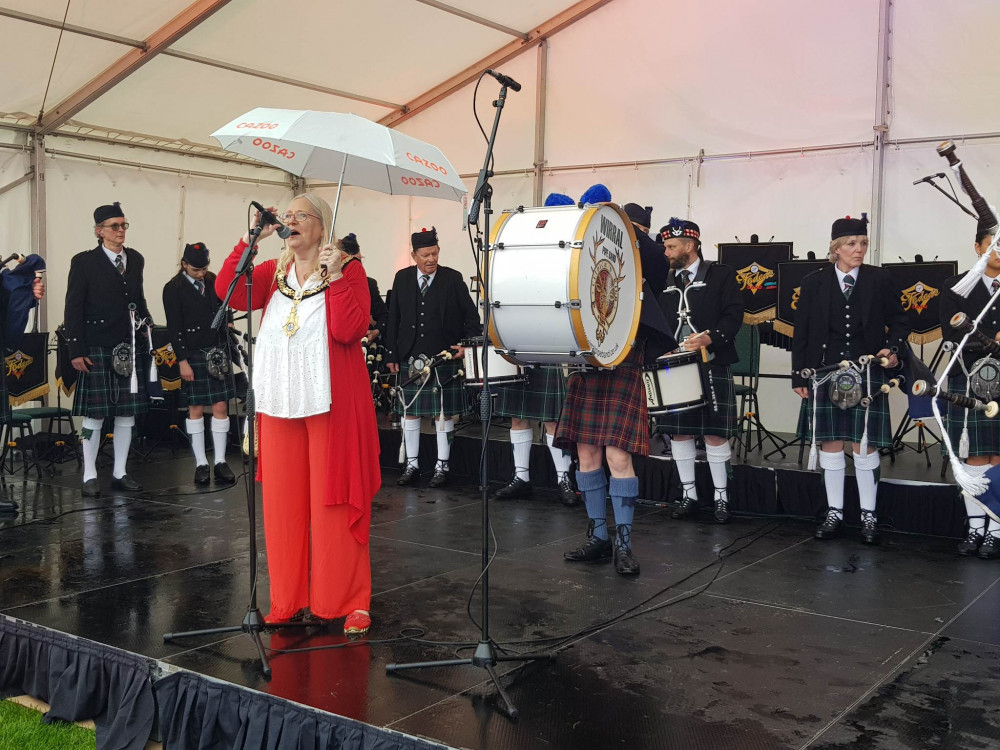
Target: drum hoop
[
  {"x": 679, "y": 358},
  {"x": 491, "y": 328}
]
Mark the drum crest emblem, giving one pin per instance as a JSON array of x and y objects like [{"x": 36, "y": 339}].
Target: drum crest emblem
[
  {"x": 917, "y": 297},
  {"x": 605, "y": 287},
  {"x": 165, "y": 355},
  {"x": 754, "y": 277},
  {"x": 17, "y": 363}
]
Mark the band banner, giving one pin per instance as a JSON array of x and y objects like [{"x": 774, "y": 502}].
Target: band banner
[
  {"x": 756, "y": 267},
  {"x": 920, "y": 288},
  {"x": 790, "y": 277},
  {"x": 167, "y": 366},
  {"x": 66, "y": 376},
  {"x": 27, "y": 370}
]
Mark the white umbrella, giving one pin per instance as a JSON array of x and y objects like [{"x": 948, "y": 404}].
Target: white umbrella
[{"x": 345, "y": 148}]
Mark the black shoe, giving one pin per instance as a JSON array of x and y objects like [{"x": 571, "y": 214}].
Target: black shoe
[
  {"x": 722, "y": 514},
  {"x": 202, "y": 474},
  {"x": 409, "y": 476},
  {"x": 831, "y": 526},
  {"x": 625, "y": 562},
  {"x": 595, "y": 550},
  {"x": 869, "y": 528},
  {"x": 971, "y": 544},
  {"x": 567, "y": 494},
  {"x": 126, "y": 483},
  {"x": 91, "y": 488},
  {"x": 516, "y": 488},
  {"x": 440, "y": 478},
  {"x": 8, "y": 506},
  {"x": 990, "y": 549},
  {"x": 688, "y": 504},
  {"x": 223, "y": 474}
]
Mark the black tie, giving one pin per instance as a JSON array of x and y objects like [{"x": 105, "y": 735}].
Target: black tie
[
  {"x": 200, "y": 286},
  {"x": 848, "y": 286},
  {"x": 120, "y": 264},
  {"x": 424, "y": 279},
  {"x": 685, "y": 278}
]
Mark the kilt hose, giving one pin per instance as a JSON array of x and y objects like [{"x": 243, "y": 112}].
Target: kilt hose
[
  {"x": 605, "y": 407},
  {"x": 104, "y": 393},
  {"x": 984, "y": 433},
  {"x": 428, "y": 402},
  {"x": 834, "y": 423},
  {"x": 205, "y": 390},
  {"x": 540, "y": 398},
  {"x": 705, "y": 420}
]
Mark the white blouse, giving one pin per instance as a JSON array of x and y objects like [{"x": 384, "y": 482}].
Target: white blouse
[{"x": 292, "y": 373}]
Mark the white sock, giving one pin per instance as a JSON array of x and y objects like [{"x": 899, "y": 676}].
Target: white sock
[
  {"x": 560, "y": 460},
  {"x": 411, "y": 438},
  {"x": 220, "y": 437},
  {"x": 833, "y": 466},
  {"x": 683, "y": 452},
  {"x": 91, "y": 445},
  {"x": 718, "y": 462},
  {"x": 994, "y": 528},
  {"x": 864, "y": 474},
  {"x": 520, "y": 443},
  {"x": 444, "y": 429},
  {"x": 123, "y": 439},
  {"x": 196, "y": 431},
  {"x": 975, "y": 512}
]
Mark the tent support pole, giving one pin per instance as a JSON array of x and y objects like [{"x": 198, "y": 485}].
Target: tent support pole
[
  {"x": 39, "y": 233},
  {"x": 881, "y": 128},
  {"x": 541, "y": 82}
]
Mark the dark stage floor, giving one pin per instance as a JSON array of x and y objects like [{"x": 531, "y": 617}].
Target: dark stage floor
[{"x": 796, "y": 643}]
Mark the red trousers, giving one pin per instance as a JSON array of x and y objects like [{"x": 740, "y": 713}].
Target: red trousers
[{"x": 313, "y": 559}]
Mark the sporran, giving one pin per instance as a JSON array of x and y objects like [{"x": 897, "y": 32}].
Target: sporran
[{"x": 845, "y": 389}]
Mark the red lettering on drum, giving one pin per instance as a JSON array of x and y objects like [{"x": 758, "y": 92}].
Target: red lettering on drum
[{"x": 541, "y": 223}]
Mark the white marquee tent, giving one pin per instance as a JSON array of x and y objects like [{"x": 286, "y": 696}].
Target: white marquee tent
[{"x": 770, "y": 117}]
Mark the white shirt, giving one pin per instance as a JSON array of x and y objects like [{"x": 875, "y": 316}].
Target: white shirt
[
  {"x": 112, "y": 256},
  {"x": 853, "y": 273},
  {"x": 292, "y": 373},
  {"x": 692, "y": 270},
  {"x": 420, "y": 279},
  {"x": 988, "y": 281}
]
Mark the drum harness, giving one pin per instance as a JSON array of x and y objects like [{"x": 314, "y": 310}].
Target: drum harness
[{"x": 685, "y": 328}]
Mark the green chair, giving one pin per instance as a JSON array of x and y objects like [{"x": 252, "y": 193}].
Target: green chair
[{"x": 746, "y": 374}]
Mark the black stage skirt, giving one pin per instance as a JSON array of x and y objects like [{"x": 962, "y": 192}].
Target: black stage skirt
[
  {"x": 539, "y": 398},
  {"x": 834, "y": 423},
  {"x": 4, "y": 400},
  {"x": 104, "y": 393},
  {"x": 428, "y": 402},
  {"x": 705, "y": 420},
  {"x": 205, "y": 390},
  {"x": 984, "y": 433}
]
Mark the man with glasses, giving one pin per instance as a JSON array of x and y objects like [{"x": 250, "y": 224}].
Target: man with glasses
[
  {"x": 105, "y": 305},
  {"x": 190, "y": 304}
]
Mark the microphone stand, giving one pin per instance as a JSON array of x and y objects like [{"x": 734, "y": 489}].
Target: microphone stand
[
  {"x": 485, "y": 656},
  {"x": 950, "y": 197},
  {"x": 253, "y": 623}
]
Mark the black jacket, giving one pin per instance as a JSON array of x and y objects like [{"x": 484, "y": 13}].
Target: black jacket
[
  {"x": 190, "y": 314},
  {"x": 716, "y": 307},
  {"x": 459, "y": 318},
  {"x": 972, "y": 305},
  {"x": 883, "y": 324},
  {"x": 98, "y": 299},
  {"x": 379, "y": 310}
]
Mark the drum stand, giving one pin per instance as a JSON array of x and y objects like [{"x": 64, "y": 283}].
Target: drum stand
[
  {"x": 907, "y": 424},
  {"x": 486, "y": 656}
]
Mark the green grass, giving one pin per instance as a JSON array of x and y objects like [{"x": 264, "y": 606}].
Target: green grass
[{"x": 22, "y": 729}]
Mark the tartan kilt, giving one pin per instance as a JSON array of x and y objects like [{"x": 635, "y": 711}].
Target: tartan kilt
[
  {"x": 428, "y": 403},
  {"x": 205, "y": 390},
  {"x": 4, "y": 400},
  {"x": 104, "y": 393},
  {"x": 984, "y": 433},
  {"x": 539, "y": 398},
  {"x": 605, "y": 407},
  {"x": 705, "y": 420},
  {"x": 834, "y": 423}
]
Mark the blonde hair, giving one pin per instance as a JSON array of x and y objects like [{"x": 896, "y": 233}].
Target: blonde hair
[
  {"x": 322, "y": 208},
  {"x": 838, "y": 243}
]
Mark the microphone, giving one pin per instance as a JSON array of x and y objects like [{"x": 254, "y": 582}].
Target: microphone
[
  {"x": 928, "y": 178},
  {"x": 505, "y": 80},
  {"x": 268, "y": 218},
  {"x": 13, "y": 256}
]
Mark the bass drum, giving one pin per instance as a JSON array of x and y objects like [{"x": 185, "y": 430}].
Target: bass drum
[{"x": 565, "y": 285}]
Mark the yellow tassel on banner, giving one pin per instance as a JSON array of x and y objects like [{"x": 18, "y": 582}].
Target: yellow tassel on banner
[
  {"x": 783, "y": 328},
  {"x": 752, "y": 319},
  {"x": 34, "y": 393},
  {"x": 924, "y": 338}
]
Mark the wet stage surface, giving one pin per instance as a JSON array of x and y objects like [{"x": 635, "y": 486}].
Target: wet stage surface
[{"x": 751, "y": 635}]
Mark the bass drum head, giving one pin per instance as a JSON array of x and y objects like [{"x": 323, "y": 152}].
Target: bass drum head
[{"x": 606, "y": 276}]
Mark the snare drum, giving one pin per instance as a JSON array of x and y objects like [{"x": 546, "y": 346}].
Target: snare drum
[
  {"x": 674, "y": 383},
  {"x": 565, "y": 285},
  {"x": 501, "y": 372}
]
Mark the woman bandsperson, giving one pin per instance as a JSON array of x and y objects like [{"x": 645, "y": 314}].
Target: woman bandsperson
[{"x": 318, "y": 439}]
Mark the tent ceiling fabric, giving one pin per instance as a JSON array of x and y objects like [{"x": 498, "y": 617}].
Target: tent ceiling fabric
[{"x": 392, "y": 50}]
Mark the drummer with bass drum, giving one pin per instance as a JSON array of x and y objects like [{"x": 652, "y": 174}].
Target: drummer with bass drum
[{"x": 702, "y": 303}]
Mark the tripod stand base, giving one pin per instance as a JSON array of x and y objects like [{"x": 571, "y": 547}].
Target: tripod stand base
[{"x": 486, "y": 658}]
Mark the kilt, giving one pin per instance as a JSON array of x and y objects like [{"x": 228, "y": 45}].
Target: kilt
[
  {"x": 705, "y": 420},
  {"x": 539, "y": 398},
  {"x": 834, "y": 423},
  {"x": 984, "y": 433},
  {"x": 605, "y": 407},
  {"x": 104, "y": 393},
  {"x": 428, "y": 403},
  {"x": 205, "y": 390}
]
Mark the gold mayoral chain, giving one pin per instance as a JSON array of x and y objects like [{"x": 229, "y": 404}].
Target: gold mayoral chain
[{"x": 291, "y": 325}]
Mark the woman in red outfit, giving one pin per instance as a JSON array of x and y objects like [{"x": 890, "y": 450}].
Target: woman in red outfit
[{"x": 318, "y": 440}]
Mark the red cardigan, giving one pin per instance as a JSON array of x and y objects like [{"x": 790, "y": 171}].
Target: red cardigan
[{"x": 353, "y": 475}]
